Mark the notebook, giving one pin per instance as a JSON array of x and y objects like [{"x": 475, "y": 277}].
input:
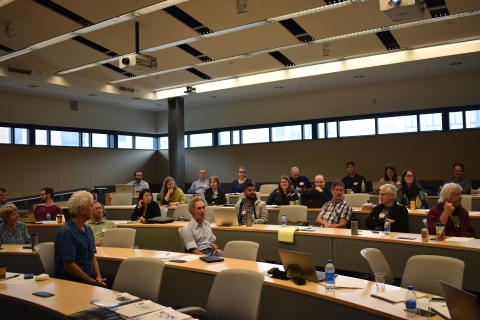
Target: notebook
[
  {"x": 312, "y": 200},
  {"x": 225, "y": 217},
  {"x": 461, "y": 304},
  {"x": 209, "y": 259},
  {"x": 304, "y": 261}
]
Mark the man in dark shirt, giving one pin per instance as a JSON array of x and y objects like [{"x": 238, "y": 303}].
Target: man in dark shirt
[
  {"x": 396, "y": 213},
  {"x": 459, "y": 179},
  {"x": 354, "y": 181},
  {"x": 320, "y": 187},
  {"x": 300, "y": 183}
]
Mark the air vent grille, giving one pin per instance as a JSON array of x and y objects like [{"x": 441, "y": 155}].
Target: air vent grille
[
  {"x": 19, "y": 69},
  {"x": 126, "y": 88}
]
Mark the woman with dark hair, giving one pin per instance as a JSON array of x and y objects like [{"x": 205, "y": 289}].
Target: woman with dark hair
[
  {"x": 390, "y": 175},
  {"x": 214, "y": 195},
  {"x": 146, "y": 208},
  {"x": 238, "y": 184},
  {"x": 283, "y": 194},
  {"x": 411, "y": 191},
  {"x": 171, "y": 194}
]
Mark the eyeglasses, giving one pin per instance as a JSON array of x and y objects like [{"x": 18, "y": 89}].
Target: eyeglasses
[{"x": 409, "y": 176}]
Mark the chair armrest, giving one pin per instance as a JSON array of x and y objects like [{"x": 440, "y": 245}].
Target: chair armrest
[{"x": 194, "y": 312}]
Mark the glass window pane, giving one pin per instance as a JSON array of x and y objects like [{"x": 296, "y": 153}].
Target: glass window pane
[
  {"x": 431, "y": 122},
  {"x": 64, "y": 138},
  {"x": 472, "y": 119},
  {"x": 352, "y": 128},
  {"x": 144, "y": 143},
  {"x": 307, "y": 131},
  {"x": 286, "y": 133},
  {"x": 125, "y": 142},
  {"x": 255, "y": 135},
  {"x": 331, "y": 129},
  {"x": 236, "y": 136},
  {"x": 321, "y": 130},
  {"x": 5, "y": 135},
  {"x": 85, "y": 139},
  {"x": 399, "y": 124},
  {"x": 186, "y": 141},
  {"x": 456, "y": 120},
  {"x": 99, "y": 140},
  {"x": 21, "y": 136},
  {"x": 41, "y": 137},
  {"x": 163, "y": 143},
  {"x": 201, "y": 140},
  {"x": 224, "y": 138}
]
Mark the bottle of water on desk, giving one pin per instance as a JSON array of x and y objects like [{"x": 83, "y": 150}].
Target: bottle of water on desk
[
  {"x": 284, "y": 220},
  {"x": 386, "y": 227},
  {"x": 363, "y": 186},
  {"x": 329, "y": 276},
  {"x": 48, "y": 217},
  {"x": 411, "y": 303}
]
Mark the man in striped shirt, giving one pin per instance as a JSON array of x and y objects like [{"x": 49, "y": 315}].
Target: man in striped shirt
[{"x": 335, "y": 213}]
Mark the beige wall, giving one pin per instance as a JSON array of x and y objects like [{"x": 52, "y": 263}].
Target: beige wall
[{"x": 27, "y": 169}]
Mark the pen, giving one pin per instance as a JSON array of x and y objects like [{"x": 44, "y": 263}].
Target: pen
[
  {"x": 382, "y": 298},
  {"x": 167, "y": 254},
  {"x": 12, "y": 277}
]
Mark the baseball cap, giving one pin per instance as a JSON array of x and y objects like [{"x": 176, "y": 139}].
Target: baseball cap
[{"x": 91, "y": 189}]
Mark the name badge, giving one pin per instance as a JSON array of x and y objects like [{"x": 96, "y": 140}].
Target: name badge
[
  {"x": 355, "y": 183},
  {"x": 381, "y": 215},
  {"x": 301, "y": 183}
]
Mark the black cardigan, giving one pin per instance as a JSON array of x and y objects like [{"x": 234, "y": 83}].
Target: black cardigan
[
  {"x": 221, "y": 199},
  {"x": 397, "y": 212},
  {"x": 153, "y": 210}
]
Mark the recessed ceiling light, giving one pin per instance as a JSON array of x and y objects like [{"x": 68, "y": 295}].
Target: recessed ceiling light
[
  {"x": 92, "y": 95},
  {"x": 358, "y": 77},
  {"x": 33, "y": 86},
  {"x": 213, "y": 97},
  {"x": 278, "y": 88},
  {"x": 455, "y": 63}
]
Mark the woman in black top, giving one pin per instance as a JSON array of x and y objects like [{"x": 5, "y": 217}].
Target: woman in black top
[
  {"x": 217, "y": 194},
  {"x": 283, "y": 194},
  {"x": 146, "y": 208}
]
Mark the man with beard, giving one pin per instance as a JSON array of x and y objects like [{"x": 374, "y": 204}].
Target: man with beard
[
  {"x": 251, "y": 204},
  {"x": 138, "y": 183},
  {"x": 40, "y": 212}
]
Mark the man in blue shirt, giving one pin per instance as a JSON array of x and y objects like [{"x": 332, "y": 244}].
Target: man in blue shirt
[
  {"x": 3, "y": 198},
  {"x": 202, "y": 184},
  {"x": 74, "y": 247},
  {"x": 300, "y": 183}
]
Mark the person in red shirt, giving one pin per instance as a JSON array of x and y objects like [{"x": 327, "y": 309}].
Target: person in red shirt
[{"x": 40, "y": 212}]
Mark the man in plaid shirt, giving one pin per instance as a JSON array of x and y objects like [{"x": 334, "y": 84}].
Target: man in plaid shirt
[{"x": 335, "y": 213}]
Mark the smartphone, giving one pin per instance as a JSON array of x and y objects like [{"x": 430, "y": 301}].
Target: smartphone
[
  {"x": 43, "y": 294},
  {"x": 177, "y": 260},
  {"x": 28, "y": 276},
  {"x": 27, "y": 247}
]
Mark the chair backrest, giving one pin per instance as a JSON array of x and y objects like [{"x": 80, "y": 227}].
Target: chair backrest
[
  {"x": 119, "y": 238},
  {"x": 356, "y": 199},
  {"x": 180, "y": 232},
  {"x": 163, "y": 210},
  {"x": 377, "y": 263},
  {"x": 46, "y": 251},
  {"x": 467, "y": 202},
  {"x": 235, "y": 294},
  {"x": 267, "y": 188},
  {"x": 181, "y": 210},
  {"x": 245, "y": 250},
  {"x": 121, "y": 199},
  {"x": 188, "y": 197},
  {"x": 425, "y": 223},
  {"x": 147, "y": 285},
  {"x": 423, "y": 272},
  {"x": 293, "y": 213},
  {"x": 210, "y": 213}
]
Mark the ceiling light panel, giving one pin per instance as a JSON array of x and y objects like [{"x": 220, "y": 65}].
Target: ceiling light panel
[
  {"x": 171, "y": 79},
  {"x": 456, "y": 6}
]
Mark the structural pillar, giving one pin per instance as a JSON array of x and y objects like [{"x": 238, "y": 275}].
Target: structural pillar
[{"x": 176, "y": 142}]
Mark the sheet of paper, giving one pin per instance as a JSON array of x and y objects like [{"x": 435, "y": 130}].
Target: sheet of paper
[
  {"x": 138, "y": 308},
  {"x": 189, "y": 257},
  {"x": 366, "y": 233},
  {"x": 16, "y": 280},
  {"x": 115, "y": 300},
  {"x": 347, "y": 282},
  {"x": 167, "y": 313},
  {"x": 167, "y": 255},
  {"x": 458, "y": 239},
  {"x": 397, "y": 295}
]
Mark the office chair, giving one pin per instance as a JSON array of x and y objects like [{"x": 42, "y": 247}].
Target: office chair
[
  {"x": 377, "y": 263},
  {"x": 121, "y": 199},
  {"x": 293, "y": 213},
  {"x": 119, "y": 238},
  {"x": 45, "y": 251},
  {"x": 245, "y": 250}
]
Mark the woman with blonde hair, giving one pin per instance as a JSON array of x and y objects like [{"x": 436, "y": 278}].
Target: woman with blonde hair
[
  {"x": 171, "y": 194},
  {"x": 13, "y": 231}
]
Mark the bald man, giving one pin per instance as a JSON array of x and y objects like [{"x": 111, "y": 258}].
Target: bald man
[{"x": 300, "y": 183}]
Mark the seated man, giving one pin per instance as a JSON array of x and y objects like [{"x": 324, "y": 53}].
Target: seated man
[
  {"x": 74, "y": 244},
  {"x": 251, "y": 204},
  {"x": 138, "y": 183},
  {"x": 98, "y": 224},
  {"x": 353, "y": 180},
  {"x": 197, "y": 234},
  {"x": 41, "y": 211},
  {"x": 300, "y": 183},
  {"x": 459, "y": 179},
  {"x": 335, "y": 213},
  {"x": 320, "y": 187},
  {"x": 199, "y": 186},
  {"x": 450, "y": 212},
  {"x": 3, "y": 198},
  {"x": 396, "y": 213}
]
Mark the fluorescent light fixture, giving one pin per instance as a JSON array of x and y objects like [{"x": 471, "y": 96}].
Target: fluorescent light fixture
[
  {"x": 106, "y": 23},
  {"x": 156, "y": 7},
  {"x": 15, "y": 54},
  {"x": 52, "y": 41},
  {"x": 78, "y": 68}
]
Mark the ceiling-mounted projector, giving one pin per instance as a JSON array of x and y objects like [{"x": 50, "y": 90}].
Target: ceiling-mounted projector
[
  {"x": 190, "y": 90},
  {"x": 138, "y": 63},
  {"x": 399, "y": 10}
]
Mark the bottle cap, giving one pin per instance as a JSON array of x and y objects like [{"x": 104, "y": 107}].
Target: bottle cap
[
  {"x": 329, "y": 261},
  {"x": 386, "y": 220},
  {"x": 410, "y": 288}
]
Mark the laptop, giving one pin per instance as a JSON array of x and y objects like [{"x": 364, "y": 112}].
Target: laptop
[
  {"x": 461, "y": 304},
  {"x": 123, "y": 188},
  {"x": 225, "y": 217},
  {"x": 304, "y": 261},
  {"x": 312, "y": 200},
  {"x": 26, "y": 216}
]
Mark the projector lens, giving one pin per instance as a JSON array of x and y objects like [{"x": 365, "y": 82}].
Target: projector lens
[{"x": 126, "y": 61}]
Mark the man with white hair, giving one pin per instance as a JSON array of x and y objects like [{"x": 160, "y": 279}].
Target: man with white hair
[
  {"x": 74, "y": 244},
  {"x": 450, "y": 212},
  {"x": 396, "y": 213}
]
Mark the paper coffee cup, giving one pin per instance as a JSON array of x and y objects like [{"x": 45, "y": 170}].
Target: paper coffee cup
[
  {"x": 412, "y": 205},
  {"x": 440, "y": 228}
]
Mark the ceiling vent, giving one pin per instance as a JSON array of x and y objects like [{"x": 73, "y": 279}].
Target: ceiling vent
[
  {"x": 19, "y": 69},
  {"x": 126, "y": 88}
]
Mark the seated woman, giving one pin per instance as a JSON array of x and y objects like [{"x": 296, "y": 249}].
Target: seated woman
[
  {"x": 238, "y": 185},
  {"x": 217, "y": 195},
  {"x": 411, "y": 191},
  {"x": 13, "y": 231},
  {"x": 390, "y": 175},
  {"x": 146, "y": 208},
  {"x": 171, "y": 194},
  {"x": 283, "y": 194}
]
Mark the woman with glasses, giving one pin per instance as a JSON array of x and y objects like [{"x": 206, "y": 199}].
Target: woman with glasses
[
  {"x": 238, "y": 184},
  {"x": 411, "y": 191}
]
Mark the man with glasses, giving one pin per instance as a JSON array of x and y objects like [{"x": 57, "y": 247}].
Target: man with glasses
[
  {"x": 199, "y": 186},
  {"x": 459, "y": 179},
  {"x": 41, "y": 211},
  {"x": 396, "y": 213},
  {"x": 335, "y": 213},
  {"x": 98, "y": 224},
  {"x": 3, "y": 198},
  {"x": 138, "y": 183}
]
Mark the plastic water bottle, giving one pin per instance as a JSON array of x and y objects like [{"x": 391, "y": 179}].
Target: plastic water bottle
[
  {"x": 329, "y": 276},
  {"x": 244, "y": 219},
  {"x": 411, "y": 302},
  {"x": 440, "y": 189},
  {"x": 363, "y": 186},
  {"x": 284, "y": 220},
  {"x": 386, "y": 227},
  {"x": 48, "y": 217},
  {"x": 253, "y": 219}
]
